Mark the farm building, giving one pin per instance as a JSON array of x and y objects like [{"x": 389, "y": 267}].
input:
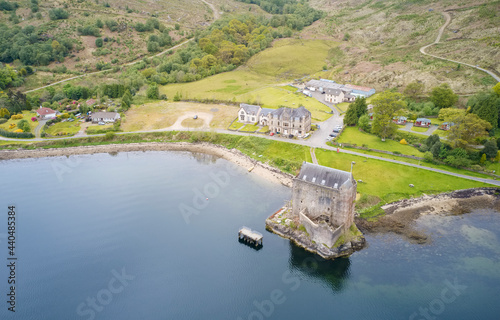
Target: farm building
[
  {"x": 323, "y": 199},
  {"x": 360, "y": 91},
  {"x": 422, "y": 122}
]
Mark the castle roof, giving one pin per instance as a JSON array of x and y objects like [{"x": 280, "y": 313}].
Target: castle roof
[{"x": 324, "y": 176}]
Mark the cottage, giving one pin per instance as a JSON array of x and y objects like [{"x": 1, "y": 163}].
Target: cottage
[
  {"x": 290, "y": 121},
  {"x": 46, "y": 113},
  {"x": 105, "y": 117},
  {"x": 446, "y": 126},
  {"x": 422, "y": 122},
  {"x": 400, "y": 120},
  {"x": 248, "y": 113},
  {"x": 323, "y": 199}
]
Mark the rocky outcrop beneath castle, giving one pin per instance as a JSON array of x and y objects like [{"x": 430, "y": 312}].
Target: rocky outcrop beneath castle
[{"x": 281, "y": 224}]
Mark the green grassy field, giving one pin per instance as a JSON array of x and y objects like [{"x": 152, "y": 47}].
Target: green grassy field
[
  {"x": 303, "y": 57},
  {"x": 353, "y": 136},
  {"x": 261, "y": 82},
  {"x": 390, "y": 182},
  {"x": 63, "y": 128}
]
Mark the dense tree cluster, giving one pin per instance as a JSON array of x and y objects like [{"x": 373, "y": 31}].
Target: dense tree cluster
[
  {"x": 290, "y": 13},
  {"x": 31, "y": 46}
]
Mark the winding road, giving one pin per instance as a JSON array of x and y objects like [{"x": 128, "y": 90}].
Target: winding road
[{"x": 447, "y": 16}]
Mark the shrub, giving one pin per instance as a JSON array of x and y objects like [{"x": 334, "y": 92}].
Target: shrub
[
  {"x": 99, "y": 42},
  {"x": 23, "y": 135},
  {"x": 403, "y": 141},
  {"x": 109, "y": 135},
  {"x": 428, "y": 156},
  {"x": 16, "y": 117},
  {"x": 3, "y": 121},
  {"x": 58, "y": 13}
]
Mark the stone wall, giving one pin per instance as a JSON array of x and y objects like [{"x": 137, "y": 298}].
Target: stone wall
[
  {"x": 320, "y": 233},
  {"x": 319, "y": 200}
]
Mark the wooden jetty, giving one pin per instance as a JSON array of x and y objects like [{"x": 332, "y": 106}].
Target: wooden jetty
[{"x": 250, "y": 236}]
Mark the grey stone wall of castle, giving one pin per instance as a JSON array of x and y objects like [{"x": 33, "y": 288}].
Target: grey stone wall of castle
[{"x": 324, "y": 194}]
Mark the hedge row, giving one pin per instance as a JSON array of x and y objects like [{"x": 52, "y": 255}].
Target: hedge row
[{"x": 8, "y": 134}]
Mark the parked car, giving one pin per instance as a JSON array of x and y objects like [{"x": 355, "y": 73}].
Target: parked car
[
  {"x": 271, "y": 134},
  {"x": 337, "y": 130},
  {"x": 333, "y": 134},
  {"x": 101, "y": 123},
  {"x": 71, "y": 120},
  {"x": 195, "y": 117}
]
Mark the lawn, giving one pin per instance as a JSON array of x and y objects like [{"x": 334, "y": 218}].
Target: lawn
[
  {"x": 27, "y": 115},
  {"x": 352, "y": 135},
  {"x": 419, "y": 129},
  {"x": 162, "y": 114},
  {"x": 264, "y": 129},
  {"x": 250, "y": 128},
  {"x": 390, "y": 181},
  {"x": 343, "y": 106},
  {"x": 63, "y": 129},
  {"x": 236, "y": 125}
]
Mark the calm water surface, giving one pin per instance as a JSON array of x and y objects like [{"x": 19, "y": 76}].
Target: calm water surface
[{"x": 133, "y": 236}]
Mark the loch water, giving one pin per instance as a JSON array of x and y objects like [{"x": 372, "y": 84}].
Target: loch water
[{"x": 153, "y": 235}]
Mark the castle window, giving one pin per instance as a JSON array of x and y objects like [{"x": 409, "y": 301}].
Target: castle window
[
  {"x": 314, "y": 179},
  {"x": 323, "y": 182},
  {"x": 304, "y": 177}
]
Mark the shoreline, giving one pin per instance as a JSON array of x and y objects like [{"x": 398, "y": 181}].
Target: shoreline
[
  {"x": 233, "y": 155},
  {"x": 400, "y": 216}
]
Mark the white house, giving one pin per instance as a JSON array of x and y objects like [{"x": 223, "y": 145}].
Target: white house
[
  {"x": 334, "y": 95},
  {"x": 105, "y": 117},
  {"x": 46, "y": 113},
  {"x": 264, "y": 116},
  {"x": 248, "y": 113}
]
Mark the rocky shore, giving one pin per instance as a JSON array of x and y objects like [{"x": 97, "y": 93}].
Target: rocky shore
[
  {"x": 286, "y": 228},
  {"x": 400, "y": 216},
  {"x": 255, "y": 167}
]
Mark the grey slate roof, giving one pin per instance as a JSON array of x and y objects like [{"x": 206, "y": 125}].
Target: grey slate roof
[
  {"x": 250, "y": 109},
  {"x": 333, "y": 92},
  {"x": 105, "y": 115},
  {"x": 323, "y": 84},
  {"x": 288, "y": 113},
  {"x": 266, "y": 111},
  {"x": 324, "y": 176}
]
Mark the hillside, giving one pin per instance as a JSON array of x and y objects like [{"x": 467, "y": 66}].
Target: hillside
[
  {"x": 125, "y": 26},
  {"x": 381, "y": 41}
]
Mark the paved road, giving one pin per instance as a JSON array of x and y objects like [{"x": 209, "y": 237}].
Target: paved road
[
  {"x": 38, "y": 129},
  {"x": 429, "y": 132},
  {"x": 441, "y": 30},
  {"x": 310, "y": 143}
]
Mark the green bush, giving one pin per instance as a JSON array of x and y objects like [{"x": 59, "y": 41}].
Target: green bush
[
  {"x": 2, "y": 120},
  {"x": 21, "y": 135}
]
